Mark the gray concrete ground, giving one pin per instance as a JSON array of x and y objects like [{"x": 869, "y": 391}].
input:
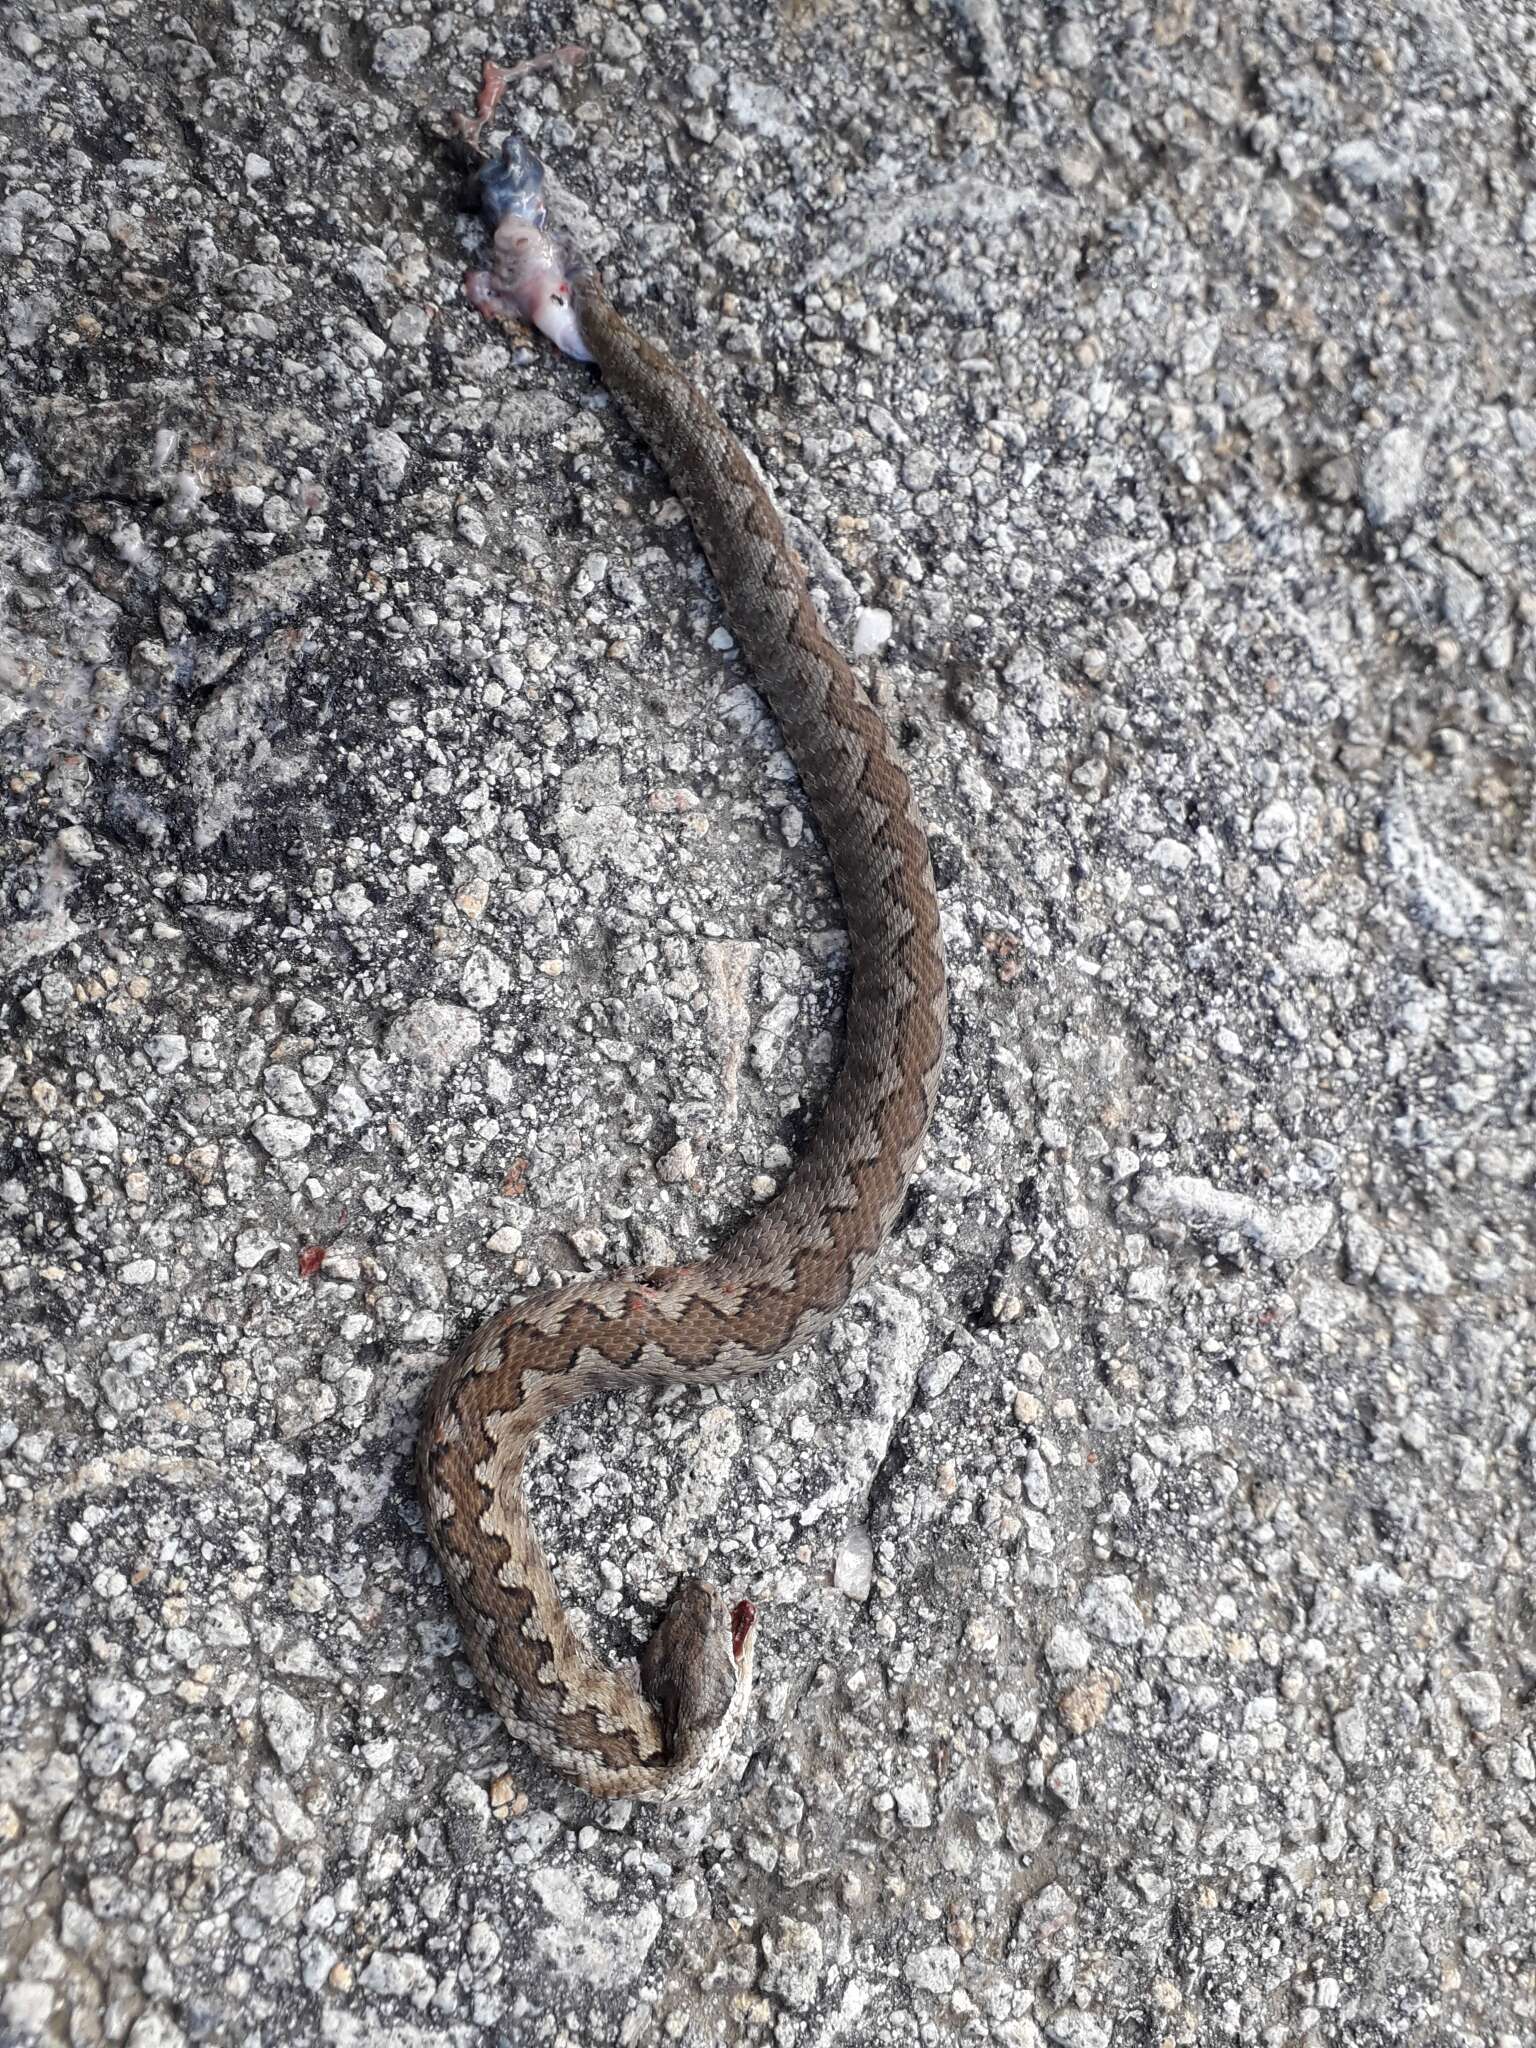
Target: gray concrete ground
[{"x": 399, "y": 866}]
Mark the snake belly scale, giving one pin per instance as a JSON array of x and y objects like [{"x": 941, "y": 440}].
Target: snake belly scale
[{"x": 788, "y": 1269}]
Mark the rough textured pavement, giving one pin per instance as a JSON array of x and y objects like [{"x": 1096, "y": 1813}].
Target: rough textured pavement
[{"x": 405, "y": 898}]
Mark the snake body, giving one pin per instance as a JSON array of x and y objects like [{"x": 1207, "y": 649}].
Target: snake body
[{"x": 787, "y": 1271}]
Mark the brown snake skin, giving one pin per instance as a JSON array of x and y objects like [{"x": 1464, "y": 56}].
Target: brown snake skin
[{"x": 787, "y": 1270}]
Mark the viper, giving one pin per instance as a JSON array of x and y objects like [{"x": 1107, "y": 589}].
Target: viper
[{"x": 790, "y": 1267}]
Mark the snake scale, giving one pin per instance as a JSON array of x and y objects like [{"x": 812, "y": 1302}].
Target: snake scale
[{"x": 788, "y": 1269}]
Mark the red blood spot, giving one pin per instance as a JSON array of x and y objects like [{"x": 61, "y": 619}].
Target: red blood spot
[
  {"x": 311, "y": 1259},
  {"x": 743, "y": 1614}
]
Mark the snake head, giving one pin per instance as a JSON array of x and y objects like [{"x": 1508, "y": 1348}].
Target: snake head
[{"x": 696, "y": 1671}]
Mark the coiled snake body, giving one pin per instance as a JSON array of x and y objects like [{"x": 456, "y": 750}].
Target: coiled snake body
[{"x": 789, "y": 1269}]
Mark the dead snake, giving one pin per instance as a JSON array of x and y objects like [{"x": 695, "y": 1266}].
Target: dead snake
[{"x": 787, "y": 1271}]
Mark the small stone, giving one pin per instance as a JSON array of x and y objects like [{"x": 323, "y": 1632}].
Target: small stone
[
  {"x": 1073, "y": 45},
  {"x": 1037, "y": 1480},
  {"x": 290, "y": 1728},
  {"x": 399, "y": 51},
  {"x": 854, "y": 1567},
  {"x": 287, "y": 1093},
  {"x": 98, "y": 1133},
  {"x": 484, "y": 980},
  {"x": 1448, "y": 901},
  {"x": 167, "y": 1764},
  {"x": 1392, "y": 476},
  {"x": 113, "y": 1699},
  {"x": 410, "y": 327},
  {"x": 388, "y": 455},
  {"x": 1084, "y": 1706},
  {"x": 1477, "y": 1695},
  {"x": 353, "y": 903},
  {"x": 27, "y": 2004},
  {"x": 1172, "y": 856},
  {"x": 871, "y": 629},
  {"x": 433, "y": 1036},
  {"x": 938, "y": 1373},
  {"x": 1079, "y": 166},
  {"x": 1108, "y": 1609},
  {"x": 166, "y": 1051},
  {"x": 1413, "y": 1269},
  {"x": 282, "y": 1137},
  {"x": 347, "y": 1108},
  {"x": 278, "y": 1894},
  {"x": 1195, "y": 1639},
  {"x": 678, "y": 1166},
  {"x": 605, "y": 1950},
  {"x": 155, "y": 2030},
  {"x": 793, "y": 1958},
  {"x": 1200, "y": 347},
  {"x": 1349, "y": 1731},
  {"x": 1046, "y": 1923},
  {"x": 1362, "y": 165},
  {"x": 983, "y": 1637},
  {"x": 252, "y": 1248},
  {"x": 53, "y": 1785},
  {"x": 1065, "y": 1784},
  {"x": 104, "y": 1753},
  {"x": 1076, "y": 2029},
  {"x": 1067, "y": 1649},
  {"x": 914, "y": 1809},
  {"x": 395, "y": 1974},
  {"x": 620, "y": 43},
  {"x": 1285, "y": 1232},
  {"x": 1275, "y": 827},
  {"x": 935, "y": 1969}
]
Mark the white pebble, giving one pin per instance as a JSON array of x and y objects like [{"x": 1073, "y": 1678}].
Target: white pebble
[{"x": 871, "y": 629}]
